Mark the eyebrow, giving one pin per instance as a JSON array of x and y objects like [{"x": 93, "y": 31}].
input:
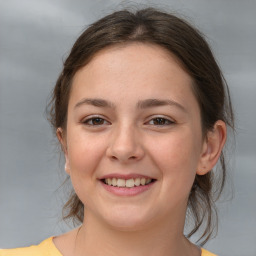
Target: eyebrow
[
  {"x": 158, "y": 103},
  {"x": 142, "y": 104},
  {"x": 95, "y": 102}
]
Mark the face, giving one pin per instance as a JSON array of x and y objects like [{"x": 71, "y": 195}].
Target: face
[{"x": 133, "y": 141}]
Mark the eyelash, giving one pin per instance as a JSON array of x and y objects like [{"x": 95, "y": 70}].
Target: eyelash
[
  {"x": 90, "y": 121},
  {"x": 162, "y": 119}
]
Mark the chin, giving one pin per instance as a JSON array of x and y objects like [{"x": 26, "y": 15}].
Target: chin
[{"x": 127, "y": 219}]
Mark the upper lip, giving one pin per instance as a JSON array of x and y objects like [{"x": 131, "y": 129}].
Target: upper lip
[{"x": 125, "y": 176}]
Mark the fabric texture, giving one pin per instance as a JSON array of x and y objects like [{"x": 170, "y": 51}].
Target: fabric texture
[
  {"x": 207, "y": 253},
  {"x": 47, "y": 248}
]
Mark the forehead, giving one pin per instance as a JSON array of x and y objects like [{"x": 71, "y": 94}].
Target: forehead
[
  {"x": 136, "y": 52},
  {"x": 120, "y": 70}
]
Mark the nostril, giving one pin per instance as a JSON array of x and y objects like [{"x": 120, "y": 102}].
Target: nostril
[
  {"x": 120, "y": 158},
  {"x": 114, "y": 157}
]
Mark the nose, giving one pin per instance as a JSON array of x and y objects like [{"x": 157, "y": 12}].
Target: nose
[{"x": 125, "y": 145}]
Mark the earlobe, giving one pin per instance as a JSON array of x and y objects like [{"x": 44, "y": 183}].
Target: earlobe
[
  {"x": 212, "y": 147},
  {"x": 67, "y": 168},
  {"x": 62, "y": 140}
]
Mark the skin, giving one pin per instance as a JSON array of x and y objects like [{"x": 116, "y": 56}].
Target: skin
[{"x": 129, "y": 139}]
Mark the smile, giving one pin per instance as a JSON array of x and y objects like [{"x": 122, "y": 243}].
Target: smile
[{"x": 127, "y": 183}]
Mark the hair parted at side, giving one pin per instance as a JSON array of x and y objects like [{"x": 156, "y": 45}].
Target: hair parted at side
[{"x": 188, "y": 45}]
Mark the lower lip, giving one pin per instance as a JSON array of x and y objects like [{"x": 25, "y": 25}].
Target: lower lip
[{"x": 122, "y": 191}]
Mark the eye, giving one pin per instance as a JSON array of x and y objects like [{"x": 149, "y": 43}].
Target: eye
[
  {"x": 160, "y": 121},
  {"x": 95, "y": 121}
]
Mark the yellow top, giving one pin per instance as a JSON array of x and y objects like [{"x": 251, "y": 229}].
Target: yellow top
[{"x": 47, "y": 248}]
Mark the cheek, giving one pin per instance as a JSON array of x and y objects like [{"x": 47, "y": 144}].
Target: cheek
[
  {"x": 178, "y": 151},
  {"x": 84, "y": 155},
  {"x": 84, "y": 152},
  {"x": 177, "y": 157}
]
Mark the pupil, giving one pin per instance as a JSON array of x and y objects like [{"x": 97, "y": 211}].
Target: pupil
[
  {"x": 159, "y": 121},
  {"x": 97, "y": 121}
]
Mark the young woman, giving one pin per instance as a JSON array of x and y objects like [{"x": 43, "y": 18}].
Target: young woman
[{"x": 141, "y": 111}]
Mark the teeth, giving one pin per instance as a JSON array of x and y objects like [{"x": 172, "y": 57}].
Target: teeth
[
  {"x": 127, "y": 183},
  {"x": 137, "y": 182},
  {"x": 120, "y": 183},
  {"x": 114, "y": 182}
]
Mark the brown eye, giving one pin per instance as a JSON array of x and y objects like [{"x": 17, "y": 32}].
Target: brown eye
[
  {"x": 95, "y": 121},
  {"x": 160, "y": 121}
]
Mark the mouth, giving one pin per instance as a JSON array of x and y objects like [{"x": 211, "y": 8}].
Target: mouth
[{"x": 128, "y": 183}]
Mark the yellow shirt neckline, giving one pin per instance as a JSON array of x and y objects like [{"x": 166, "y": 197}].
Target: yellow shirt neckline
[{"x": 56, "y": 252}]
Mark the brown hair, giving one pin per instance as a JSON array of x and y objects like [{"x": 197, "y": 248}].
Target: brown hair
[{"x": 188, "y": 45}]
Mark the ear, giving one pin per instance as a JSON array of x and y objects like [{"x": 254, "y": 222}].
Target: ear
[
  {"x": 212, "y": 147},
  {"x": 62, "y": 139}
]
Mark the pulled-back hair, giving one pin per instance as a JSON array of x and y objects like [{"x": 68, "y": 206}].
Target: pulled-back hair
[{"x": 156, "y": 27}]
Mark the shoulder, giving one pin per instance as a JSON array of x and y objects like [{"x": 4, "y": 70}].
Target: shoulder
[
  {"x": 45, "y": 248},
  {"x": 204, "y": 253}
]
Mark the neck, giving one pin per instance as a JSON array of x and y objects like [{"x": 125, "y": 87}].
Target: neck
[{"x": 96, "y": 238}]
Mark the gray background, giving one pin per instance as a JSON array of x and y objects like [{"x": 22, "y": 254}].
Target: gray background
[{"x": 34, "y": 38}]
